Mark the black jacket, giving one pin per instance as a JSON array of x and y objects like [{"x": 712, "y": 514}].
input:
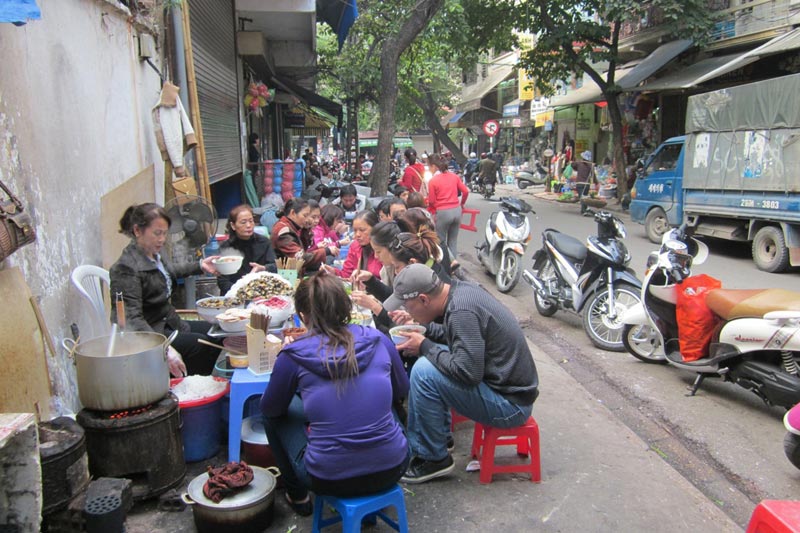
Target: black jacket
[
  {"x": 256, "y": 249},
  {"x": 144, "y": 291}
]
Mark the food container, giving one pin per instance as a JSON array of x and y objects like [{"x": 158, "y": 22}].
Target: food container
[
  {"x": 234, "y": 320},
  {"x": 237, "y": 361},
  {"x": 228, "y": 264},
  {"x": 135, "y": 375},
  {"x": 411, "y": 328},
  {"x": 248, "y": 511},
  {"x": 279, "y": 308},
  {"x": 200, "y": 423},
  {"x": 234, "y": 326},
  {"x": 255, "y": 446},
  {"x": 209, "y": 308}
]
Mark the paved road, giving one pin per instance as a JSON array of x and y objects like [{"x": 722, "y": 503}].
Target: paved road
[{"x": 724, "y": 440}]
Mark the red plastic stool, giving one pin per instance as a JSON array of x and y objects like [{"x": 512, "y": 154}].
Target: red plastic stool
[
  {"x": 456, "y": 418},
  {"x": 473, "y": 215},
  {"x": 775, "y": 516},
  {"x": 524, "y": 437}
]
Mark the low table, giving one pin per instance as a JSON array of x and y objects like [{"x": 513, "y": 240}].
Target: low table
[{"x": 244, "y": 384}]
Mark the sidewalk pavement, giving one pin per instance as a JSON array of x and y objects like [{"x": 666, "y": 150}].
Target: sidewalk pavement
[
  {"x": 612, "y": 204},
  {"x": 597, "y": 475}
]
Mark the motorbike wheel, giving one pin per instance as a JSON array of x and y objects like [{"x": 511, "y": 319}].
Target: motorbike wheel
[
  {"x": 545, "y": 307},
  {"x": 604, "y": 332},
  {"x": 522, "y": 184},
  {"x": 791, "y": 447},
  {"x": 642, "y": 343},
  {"x": 509, "y": 272}
]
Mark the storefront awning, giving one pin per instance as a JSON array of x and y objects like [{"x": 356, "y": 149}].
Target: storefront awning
[
  {"x": 653, "y": 63},
  {"x": 311, "y": 98},
  {"x": 451, "y": 117},
  {"x": 472, "y": 97},
  {"x": 781, "y": 43},
  {"x": 688, "y": 76},
  {"x": 589, "y": 93},
  {"x": 398, "y": 142},
  {"x": 511, "y": 109}
]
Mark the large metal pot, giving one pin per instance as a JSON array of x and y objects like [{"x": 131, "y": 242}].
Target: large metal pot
[
  {"x": 136, "y": 374},
  {"x": 248, "y": 511}
]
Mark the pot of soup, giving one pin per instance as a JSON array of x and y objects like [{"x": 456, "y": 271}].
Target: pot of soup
[{"x": 127, "y": 371}]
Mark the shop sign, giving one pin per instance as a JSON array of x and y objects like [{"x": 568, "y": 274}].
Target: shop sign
[
  {"x": 294, "y": 120},
  {"x": 525, "y": 84},
  {"x": 539, "y": 105},
  {"x": 541, "y": 118},
  {"x": 516, "y": 123},
  {"x": 511, "y": 110}
]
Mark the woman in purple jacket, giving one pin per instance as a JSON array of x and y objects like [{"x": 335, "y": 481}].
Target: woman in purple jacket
[{"x": 328, "y": 406}]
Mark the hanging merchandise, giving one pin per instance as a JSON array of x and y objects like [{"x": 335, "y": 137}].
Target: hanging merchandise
[
  {"x": 174, "y": 132},
  {"x": 257, "y": 97}
]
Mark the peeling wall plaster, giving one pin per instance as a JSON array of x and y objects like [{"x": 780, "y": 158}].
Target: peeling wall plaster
[{"x": 74, "y": 124}]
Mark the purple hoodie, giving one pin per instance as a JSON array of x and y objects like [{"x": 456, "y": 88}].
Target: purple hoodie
[{"x": 352, "y": 431}]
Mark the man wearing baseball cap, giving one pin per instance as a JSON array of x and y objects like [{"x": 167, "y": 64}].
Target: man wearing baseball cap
[{"x": 487, "y": 373}]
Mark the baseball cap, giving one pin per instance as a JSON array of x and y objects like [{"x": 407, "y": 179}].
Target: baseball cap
[{"x": 412, "y": 281}]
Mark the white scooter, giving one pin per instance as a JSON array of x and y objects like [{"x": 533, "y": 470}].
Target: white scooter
[
  {"x": 757, "y": 345},
  {"x": 507, "y": 233}
]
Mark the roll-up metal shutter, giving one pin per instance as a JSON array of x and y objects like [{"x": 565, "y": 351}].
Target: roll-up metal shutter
[{"x": 214, "y": 49}]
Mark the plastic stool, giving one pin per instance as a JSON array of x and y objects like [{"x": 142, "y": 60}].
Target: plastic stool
[
  {"x": 244, "y": 384},
  {"x": 524, "y": 437},
  {"x": 775, "y": 516},
  {"x": 473, "y": 215},
  {"x": 456, "y": 418},
  {"x": 353, "y": 510}
]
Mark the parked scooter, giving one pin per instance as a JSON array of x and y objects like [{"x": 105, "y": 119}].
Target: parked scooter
[
  {"x": 528, "y": 178},
  {"x": 757, "y": 345},
  {"x": 592, "y": 279},
  {"x": 508, "y": 232}
]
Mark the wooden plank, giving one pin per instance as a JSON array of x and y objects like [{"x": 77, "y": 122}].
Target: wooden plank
[
  {"x": 24, "y": 381},
  {"x": 139, "y": 189}
]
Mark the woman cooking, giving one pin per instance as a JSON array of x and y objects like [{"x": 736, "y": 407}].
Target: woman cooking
[
  {"x": 339, "y": 438},
  {"x": 244, "y": 241},
  {"x": 145, "y": 279}
]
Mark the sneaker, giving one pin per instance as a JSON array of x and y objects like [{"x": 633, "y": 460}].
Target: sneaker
[
  {"x": 451, "y": 443},
  {"x": 420, "y": 470}
]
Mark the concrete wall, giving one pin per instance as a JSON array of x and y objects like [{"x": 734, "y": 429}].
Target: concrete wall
[{"x": 74, "y": 123}]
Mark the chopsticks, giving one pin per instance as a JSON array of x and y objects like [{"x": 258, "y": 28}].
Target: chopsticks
[
  {"x": 229, "y": 350},
  {"x": 290, "y": 263},
  {"x": 259, "y": 320}
]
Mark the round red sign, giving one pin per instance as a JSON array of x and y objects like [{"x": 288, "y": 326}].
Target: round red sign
[{"x": 491, "y": 127}]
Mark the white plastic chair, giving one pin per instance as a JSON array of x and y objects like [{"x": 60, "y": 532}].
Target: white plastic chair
[{"x": 87, "y": 280}]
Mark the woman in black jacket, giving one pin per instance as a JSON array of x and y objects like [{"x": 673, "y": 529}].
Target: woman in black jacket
[
  {"x": 146, "y": 279},
  {"x": 243, "y": 240}
]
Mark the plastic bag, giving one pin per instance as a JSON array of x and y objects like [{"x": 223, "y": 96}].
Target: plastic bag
[{"x": 696, "y": 322}]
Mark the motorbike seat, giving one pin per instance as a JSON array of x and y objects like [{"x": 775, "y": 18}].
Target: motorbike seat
[
  {"x": 569, "y": 246},
  {"x": 740, "y": 303}
]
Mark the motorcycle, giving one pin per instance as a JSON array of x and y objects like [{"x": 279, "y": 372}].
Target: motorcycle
[
  {"x": 508, "y": 231},
  {"x": 593, "y": 279},
  {"x": 756, "y": 346},
  {"x": 528, "y": 178},
  {"x": 791, "y": 442}
]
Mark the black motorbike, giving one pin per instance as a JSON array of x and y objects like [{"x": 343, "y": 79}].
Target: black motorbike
[{"x": 593, "y": 279}]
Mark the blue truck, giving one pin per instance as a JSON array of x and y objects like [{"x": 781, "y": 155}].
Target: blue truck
[{"x": 735, "y": 174}]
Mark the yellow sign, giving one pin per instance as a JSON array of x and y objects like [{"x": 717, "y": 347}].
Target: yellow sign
[
  {"x": 541, "y": 118},
  {"x": 525, "y": 85}
]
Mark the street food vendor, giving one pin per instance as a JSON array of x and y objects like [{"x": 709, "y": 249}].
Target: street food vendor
[
  {"x": 243, "y": 240},
  {"x": 146, "y": 279},
  {"x": 291, "y": 236},
  {"x": 341, "y": 438}
]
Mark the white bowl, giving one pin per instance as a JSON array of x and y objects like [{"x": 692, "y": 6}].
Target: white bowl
[
  {"x": 237, "y": 326},
  {"x": 228, "y": 264},
  {"x": 400, "y": 339},
  {"x": 277, "y": 315},
  {"x": 209, "y": 314}
]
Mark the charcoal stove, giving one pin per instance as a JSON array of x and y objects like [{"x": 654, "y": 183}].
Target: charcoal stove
[{"x": 142, "y": 444}]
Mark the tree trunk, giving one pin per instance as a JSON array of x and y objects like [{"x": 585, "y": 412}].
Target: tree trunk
[
  {"x": 392, "y": 48},
  {"x": 619, "y": 155},
  {"x": 428, "y": 106}
]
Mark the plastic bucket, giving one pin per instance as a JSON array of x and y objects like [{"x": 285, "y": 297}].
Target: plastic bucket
[{"x": 201, "y": 425}]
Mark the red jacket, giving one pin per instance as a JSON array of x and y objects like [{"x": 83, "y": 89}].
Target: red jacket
[
  {"x": 413, "y": 176},
  {"x": 443, "y": 192},
  {"x": 288, "y": 238},
  {"x": 354, "y": 260}
]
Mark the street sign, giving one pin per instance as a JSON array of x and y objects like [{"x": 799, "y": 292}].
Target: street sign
[
  {"x": 491, "y": 127},
  {"x": 548, "y": 152}
]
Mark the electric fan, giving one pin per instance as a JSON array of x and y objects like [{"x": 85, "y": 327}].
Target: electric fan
[{"x": 194, "y": 222}]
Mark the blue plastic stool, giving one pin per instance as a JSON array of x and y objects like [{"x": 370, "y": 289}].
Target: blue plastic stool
[
  {"x": 353, "y": 510},
  {"x": 244, "y": 384}
]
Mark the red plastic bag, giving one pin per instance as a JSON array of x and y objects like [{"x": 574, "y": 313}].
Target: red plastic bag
[{"x": 696, "y": 322}]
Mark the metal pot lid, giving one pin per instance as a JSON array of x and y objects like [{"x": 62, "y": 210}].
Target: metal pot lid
[
  {"x": 253, "y": 430},
  {"x": 262, "y": 485}
]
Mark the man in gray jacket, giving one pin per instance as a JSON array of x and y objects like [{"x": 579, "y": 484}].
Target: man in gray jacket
[{"x": 486, "y": 371}]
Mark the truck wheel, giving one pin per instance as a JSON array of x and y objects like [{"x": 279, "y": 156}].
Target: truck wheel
[
  {"x": 769, "y": 250},
  {"x": 656, "y": 224}
]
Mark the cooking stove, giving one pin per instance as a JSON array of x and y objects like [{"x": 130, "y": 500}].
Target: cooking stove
[{"x": 142, "y": 444}]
